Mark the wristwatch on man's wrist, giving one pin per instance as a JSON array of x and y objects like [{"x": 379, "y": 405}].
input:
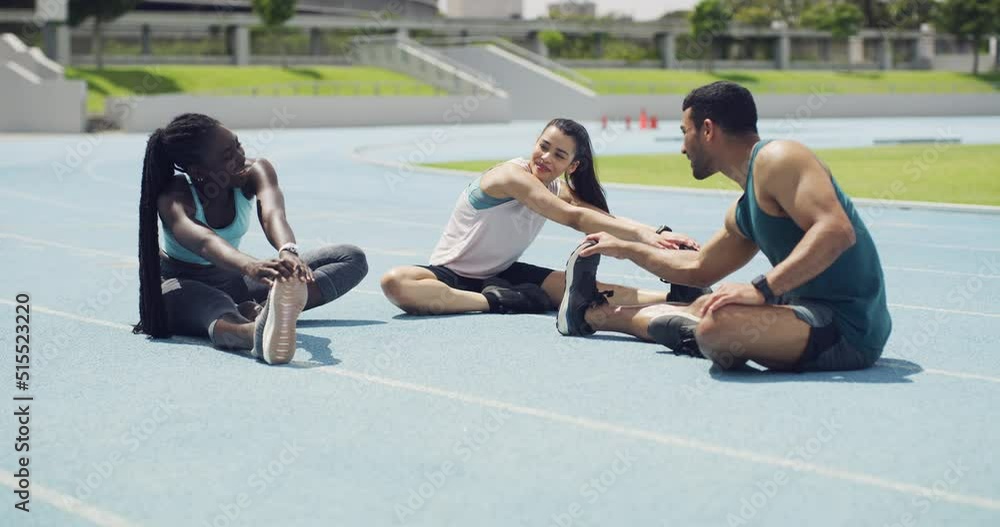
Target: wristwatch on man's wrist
[
  {"x": 765, "y": 289},
  {"x": 290, "y": 247}
]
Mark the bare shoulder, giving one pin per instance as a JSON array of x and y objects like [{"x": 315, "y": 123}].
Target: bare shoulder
[
  {"x": 780, "y": 160},
  {"x": 260, "y": 174},
  {"x": 500, "y": 179},
  {"x": 176, "y": 198}
]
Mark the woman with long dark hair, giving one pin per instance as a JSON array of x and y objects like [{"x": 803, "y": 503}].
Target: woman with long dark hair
[
  {"x": 197, "y": 181},
  {"x": 475, "y": 265}
]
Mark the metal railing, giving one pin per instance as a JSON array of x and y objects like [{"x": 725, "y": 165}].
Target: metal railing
[
  {"x": 332, "y": 88},
  {"x": 514, "y": 49},
  {"x": 422, "y": 62},
  {"x": 791, "y": 88}
]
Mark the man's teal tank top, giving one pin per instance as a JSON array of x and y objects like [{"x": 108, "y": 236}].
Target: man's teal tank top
[
  {"x": 232, "y": 233},
  {"x": 854, "y": 286}
]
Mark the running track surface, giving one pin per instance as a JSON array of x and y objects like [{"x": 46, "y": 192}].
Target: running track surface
[{"x": 385, "y": 419}]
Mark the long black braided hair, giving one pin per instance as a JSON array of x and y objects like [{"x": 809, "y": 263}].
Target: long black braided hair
[{"x": 170, "y": 149}]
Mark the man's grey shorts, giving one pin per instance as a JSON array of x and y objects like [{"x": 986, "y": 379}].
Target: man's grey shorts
[{"x": 827, "y": 350}]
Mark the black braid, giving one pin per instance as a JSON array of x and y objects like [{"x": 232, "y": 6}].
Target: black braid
[{"x": 169, "y": 149}]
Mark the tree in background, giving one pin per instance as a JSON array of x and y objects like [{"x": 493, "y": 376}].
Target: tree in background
[
  {"x": 843, "y": 20},
  {"x": 274, "y": 14},
  {"x": 761, "y": 13},
  {"x": 103, "y": 11},
  {"x": 709, "y": 18},
  {"x": 553, "y": 40},
  {"x": 970, "y": 20},
  {"x": 909, "y": 14},
  {"x": 755, "y": 15}
]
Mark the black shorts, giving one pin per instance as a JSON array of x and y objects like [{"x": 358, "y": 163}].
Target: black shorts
[
  {"x": 518, "y": 273},
  {"x": 827, "y": 350}
]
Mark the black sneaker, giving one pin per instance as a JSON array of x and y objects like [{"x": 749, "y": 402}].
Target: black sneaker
[
  {"x": 683, "y": 294},
  {"x": 522, "y": 298},
  {"x": 676, "y": 331},
  {"x": 581, "y": 293}
]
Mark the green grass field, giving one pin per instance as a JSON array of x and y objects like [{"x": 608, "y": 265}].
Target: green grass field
[
  {"x": 940, "y": 173},
  {"x": 637, "y": 80},
  {"x": 148, "y": 80}
]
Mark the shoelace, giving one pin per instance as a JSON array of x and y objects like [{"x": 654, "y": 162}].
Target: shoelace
[
  {"x": 688, "y": 345},
  {"x": 602, "y": 297}
]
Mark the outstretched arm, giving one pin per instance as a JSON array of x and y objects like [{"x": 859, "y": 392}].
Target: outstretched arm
[
  {"x": 532, "y": 193},
  {"x": 676, "y": 239},
  {"x": 726, "y": 252}
]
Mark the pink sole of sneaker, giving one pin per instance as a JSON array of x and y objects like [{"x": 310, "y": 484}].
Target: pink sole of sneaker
[{"x": 286, "y": 301}]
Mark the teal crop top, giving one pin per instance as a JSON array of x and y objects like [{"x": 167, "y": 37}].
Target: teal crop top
[{"x": 232, "y": 233}]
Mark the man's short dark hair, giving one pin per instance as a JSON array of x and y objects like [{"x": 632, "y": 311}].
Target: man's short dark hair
[{"x": 727, "y": 104}]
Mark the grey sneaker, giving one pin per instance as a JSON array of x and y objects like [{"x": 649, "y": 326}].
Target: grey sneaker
[{"x": 274, "y": 336}]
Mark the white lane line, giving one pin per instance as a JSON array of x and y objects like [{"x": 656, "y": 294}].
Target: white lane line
[
  {"x": 961, "y": 375},
  {"x": 413, "y": 254},
  {"x": 126, "y": 327},
  {"x": 602, "y": 426},
  {"x": 942, "y": 310},
  {"x": 938, "y": 271},
  {"x": 58, "y": 245},
  {"x": 67, "y": 503},
  {"x": 940, "y": 246},
  {"x": 63, "y": 205},
  {"x": 678, "y": 441}
]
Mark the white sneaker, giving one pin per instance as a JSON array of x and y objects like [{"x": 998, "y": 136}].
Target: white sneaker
[{"x": 274, "y": 337}]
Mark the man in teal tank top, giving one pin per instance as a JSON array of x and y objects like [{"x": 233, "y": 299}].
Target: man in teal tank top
[{"x": 822, "y": 306}]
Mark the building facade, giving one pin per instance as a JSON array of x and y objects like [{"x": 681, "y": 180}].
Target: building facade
[
  {"x": 571, "y": 9},
  {"x": 485, "y": 8}
]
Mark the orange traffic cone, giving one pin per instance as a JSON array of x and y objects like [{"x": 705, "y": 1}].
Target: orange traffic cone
[{"x": 643, "y": 119}]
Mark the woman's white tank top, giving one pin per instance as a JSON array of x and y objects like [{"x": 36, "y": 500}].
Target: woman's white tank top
[{"x": 485, "y": 235}]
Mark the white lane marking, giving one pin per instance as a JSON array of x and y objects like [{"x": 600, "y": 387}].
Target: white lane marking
[
  {"x": 942, "y": 310},
  {"x": 126, "y": 327},
  {"x": 64, "y": 205},
  {"x": 602, "y": 426},
  {"x": 677, "y": 441},
  {"x": 67, "y": 503},
  {"x": 962, "y": 375},
  {"x": 59, "y": 245},
  {"x": 131, "y": 260}
]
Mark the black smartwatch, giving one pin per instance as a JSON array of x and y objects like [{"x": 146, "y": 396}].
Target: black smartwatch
[{"x": 761, "y": 284}]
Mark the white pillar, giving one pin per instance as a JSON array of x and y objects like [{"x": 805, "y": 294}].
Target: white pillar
[
  {"x": 783, "y": 53},
  {"x": 147, "y": 40},
  {"x": 667, "y": 44},
  {"x": 538, "y": 45},
  {"x": 885, "y": 53},
  {"x": 241, "y": 46},
  {"x": 855, "y": 49},
  {"x": 926, "y": 46},
  {"x": 315, "y": 41}
]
